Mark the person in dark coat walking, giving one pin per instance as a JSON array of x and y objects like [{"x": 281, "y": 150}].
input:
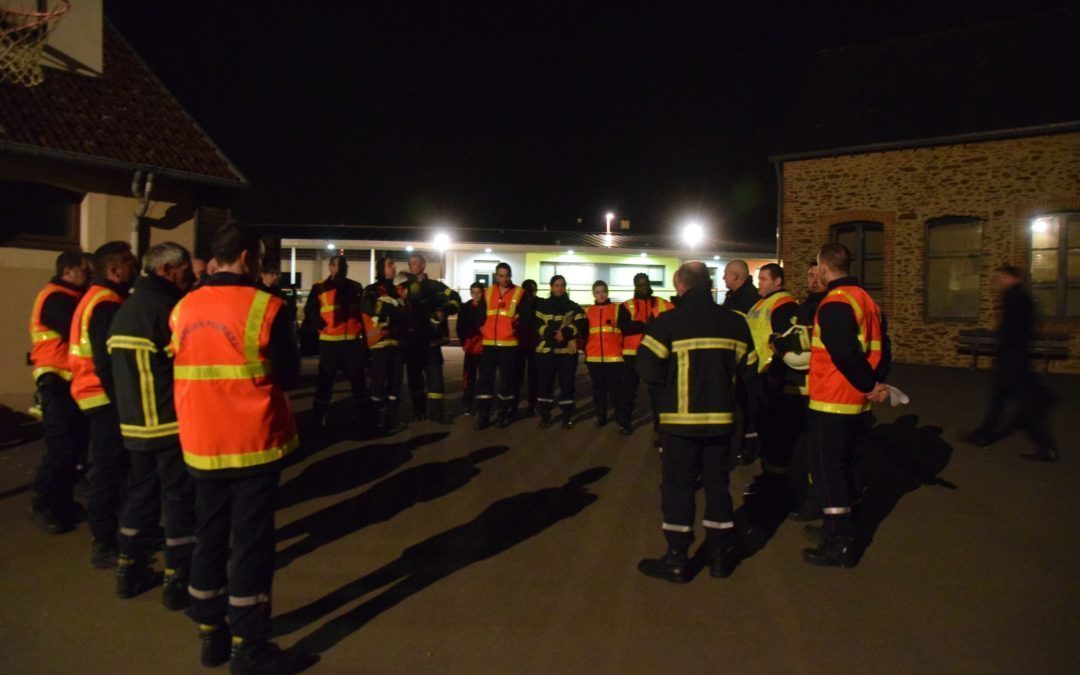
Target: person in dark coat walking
[{"x": 1013, "y": 378}]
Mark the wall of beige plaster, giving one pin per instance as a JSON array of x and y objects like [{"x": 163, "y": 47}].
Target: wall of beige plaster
[{"x": 1005, "y": 183}]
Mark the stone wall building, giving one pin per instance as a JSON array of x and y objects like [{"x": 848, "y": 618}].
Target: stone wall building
[{"x": 937, "y": 159}]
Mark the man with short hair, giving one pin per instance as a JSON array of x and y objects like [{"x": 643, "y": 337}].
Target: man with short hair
[
  {"x": 333, "y": 308},
  {"x": 604, "y": 352},
  {"x": 1013, "y": 378},
  {"x": 741, "y": 294},
  {"x": 383, "y": 311},
  {"x": 849, "y": 360},
  {"x": 234, "y": 352},
  {"x": 92, "y": 388},
  {"x": 526, "y": 374},
  {"x": 470, "y": 320},
  {"x": 699, "y": 353},
  {"x": 500, "y": 331},
  {"x": 142, "y": 369},
  {"x": 428, "y": 304},
  {"x": 634, "y": 317},
  {"x": 65, "y": 429}
]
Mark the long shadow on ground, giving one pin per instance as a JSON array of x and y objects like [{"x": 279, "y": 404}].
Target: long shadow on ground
[
  {"x": 499, "y": 527},
  {"x": 381, "y": 502},
  {"x": 351, "y": 468}
]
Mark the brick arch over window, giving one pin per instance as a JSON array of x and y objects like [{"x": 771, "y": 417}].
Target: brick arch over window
[
  {"x": 39, "y": 215},
  {"x": 888, "y": 222}
]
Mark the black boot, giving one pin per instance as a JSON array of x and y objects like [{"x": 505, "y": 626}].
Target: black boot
[
  {"x": 102, "y": 555},
  {"x": 545, "y": 417},
  {"x": 393, "y": 421},
  {"x": 266, "y": 658},
  {"x": 134, "y": 576},
  {"x": 1042, "y": 455},
  {"x": 568, "y": 419},
  {"x": 215, "y": 645},
  {"x": 50, "y": 520},
  {"x": 174, "y": 590},
  {"x": 834, "y": 551},
  {"x": 601, "y": 419},
  {"x": 436, "y": 412},
  {"x": 724, "y": 557},
  {"x": 674, "y": 566}
]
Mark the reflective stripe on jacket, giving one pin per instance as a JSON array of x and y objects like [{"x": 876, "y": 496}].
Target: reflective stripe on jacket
[
  {"x": 86, "y": 386},
  {"x": 49, "y": 349},
  {"x": 231, "y": 413},
  {"x": 605, "y": 343},
  {"x": 500, "y": 326},
  {"x": 643, "y": 311},
  {"x": 829, "y": 390},
  {"x": 759, "y": 319},
  {"x": 340, "y": 324}
]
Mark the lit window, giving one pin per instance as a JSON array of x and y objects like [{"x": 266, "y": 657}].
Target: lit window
[
  {"x": 953, "y": 244},
  {"x": 1055, "y": 264}
]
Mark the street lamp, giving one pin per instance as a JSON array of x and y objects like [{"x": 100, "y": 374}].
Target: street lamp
[
  {"x": 608, "y": 218},
  {"x": 693, "y": 234},
  {"x": 442, "y": 242}
]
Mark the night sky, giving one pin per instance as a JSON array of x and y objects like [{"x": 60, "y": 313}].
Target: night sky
[{"x": 509, "y": 114}]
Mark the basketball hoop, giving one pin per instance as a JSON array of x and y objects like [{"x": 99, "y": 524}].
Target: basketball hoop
[{"x": 22, "y": 38}]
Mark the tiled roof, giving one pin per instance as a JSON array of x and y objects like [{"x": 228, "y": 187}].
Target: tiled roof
[
  {"x": 508, "y": 236},
  {"x": 1013, "y": 74},
  {"x": 124, "y": 117}
]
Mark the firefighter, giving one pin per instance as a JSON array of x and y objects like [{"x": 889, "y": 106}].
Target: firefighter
[
  {"x": 525, "y": 370},
  {"x": 794, "y": 348},
  {"x": 560, "y": 320},
  {"x": 741, "y": 294},
  {"x": 604, "y": 353},
  {"x": 234, "y": 351},
  {"x": 778, "y": 414},
  {"x": 428, "y": 304},
  {"x": 143, "y": 374},
  {"x": 470, "y": 320},
  {"x": 383, "y": 312},
  {"x": 499, "y": 331},
  {"x": 634, "y": 317},
  {"x": 115, "y": 268},
  {"x": 699, "y": 353},
  {"x": 849, "y": 359},
  {"x": 52, "y": 506},
  {"x": 333, "y": 308}
]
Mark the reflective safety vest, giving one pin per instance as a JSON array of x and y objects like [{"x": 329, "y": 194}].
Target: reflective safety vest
[
  {"x": 605, "y": 343},
  {"x": 231, "y": 413},
  {"x": 85, "y": 384},
  {"x": 334, "y": 331},
  {"x": 49, "y": 349},
  {"x": 641, "y": 310},
  {"x": 376, "y": 330},
  {"x": 502, "y": 306},
  {"x": 760, "y": 320},
  {"x": 829, "y": 390}
]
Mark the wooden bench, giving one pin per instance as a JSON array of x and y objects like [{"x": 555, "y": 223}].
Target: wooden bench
[{"x": 1046, "y": 346}]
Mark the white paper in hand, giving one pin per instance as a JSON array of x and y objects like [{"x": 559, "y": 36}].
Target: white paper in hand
[{"x": 897, "y": 397}]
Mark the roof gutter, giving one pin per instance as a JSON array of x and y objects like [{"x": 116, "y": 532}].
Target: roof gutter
[
  {"x": 956, "y": 139},
  {"x": 81, "y": 159}
]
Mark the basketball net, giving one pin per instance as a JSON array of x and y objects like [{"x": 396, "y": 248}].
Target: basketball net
[{"x": 22, "y": 38}]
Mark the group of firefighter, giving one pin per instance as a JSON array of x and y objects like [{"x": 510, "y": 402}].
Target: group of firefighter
[{"x": 171, "y": 387}]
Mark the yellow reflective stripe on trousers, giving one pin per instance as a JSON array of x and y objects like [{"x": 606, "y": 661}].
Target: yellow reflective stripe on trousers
[
  {"x": 240, "y": 460},
  {"x": 655, "y": 346},
  {"x": 839, "y": 408},
  {"x": 157, "y": 431},
  {"x": 696, "y": 418},
  {"x": 239, "y": 372},
  {"x": 254, "y": 326}
]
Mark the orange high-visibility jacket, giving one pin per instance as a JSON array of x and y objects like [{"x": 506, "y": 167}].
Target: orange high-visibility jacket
[
  {"x": 644, "y": 311},
  {"x": 86, "y": 386},
  {"x": 829, "y": 390},
  {"x": 231, "y": 413},
  {"x": 340, "y": 325},
  {"x": 49, "y": 349},
  {"x": 499, "y": 329},
  {"x": 605, "y": 343}
]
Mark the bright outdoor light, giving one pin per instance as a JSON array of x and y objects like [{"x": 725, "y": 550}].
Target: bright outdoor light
[
  {"x": 330, "y": 247},
  {"x": 693, "y": 233},
  {"x": 1040, "y": 225},
  {"x": 442, "y": 241},
  {"x": 716, "y": 257},
  {"x": 644, "y": 254},
  {"x": 608, "y": 240},
  {"x": 570, "y": 252},
  {"x": 409, "y": 249},
  {"x": 487, "y": 250}
]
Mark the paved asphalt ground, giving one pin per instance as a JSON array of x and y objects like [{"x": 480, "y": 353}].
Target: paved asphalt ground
[{"x": 444, "y": 549}]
